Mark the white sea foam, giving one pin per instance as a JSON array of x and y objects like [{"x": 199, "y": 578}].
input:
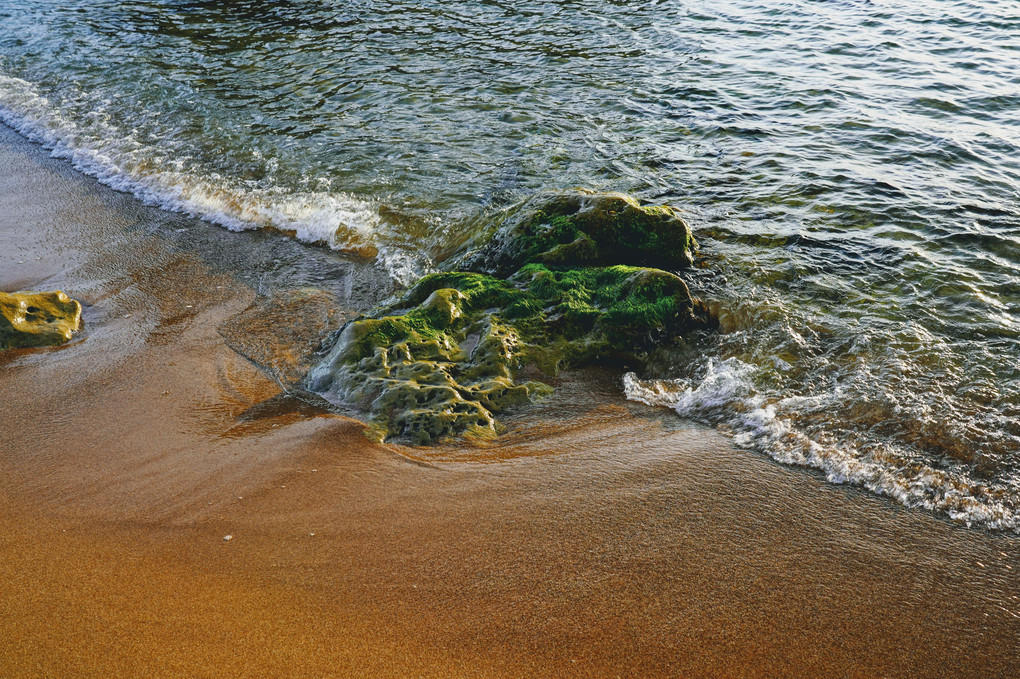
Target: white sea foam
[
  {"x": 725, "y": 395},
  {"x": 117, "y": 159}
]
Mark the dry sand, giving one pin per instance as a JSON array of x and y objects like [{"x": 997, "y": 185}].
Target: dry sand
[{"x": 597, "y": 538}]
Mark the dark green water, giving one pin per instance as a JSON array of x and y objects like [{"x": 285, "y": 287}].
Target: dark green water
[{"x": 852, "y": 171}]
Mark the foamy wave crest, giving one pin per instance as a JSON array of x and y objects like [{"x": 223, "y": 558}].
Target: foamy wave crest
[
  {"x": 98, "y": 148},
  {"x": 724, "y": 395}
]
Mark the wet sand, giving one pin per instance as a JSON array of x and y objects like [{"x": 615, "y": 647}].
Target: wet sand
[{"x": 596, "y": 538}]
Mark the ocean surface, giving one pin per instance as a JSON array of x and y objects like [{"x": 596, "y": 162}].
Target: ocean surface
[{"x": 851, "y": 170}]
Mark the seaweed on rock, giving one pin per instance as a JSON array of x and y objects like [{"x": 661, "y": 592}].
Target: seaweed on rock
[
  {"x": 584, "y": 228},
  {"x": 441, "y": 360}
]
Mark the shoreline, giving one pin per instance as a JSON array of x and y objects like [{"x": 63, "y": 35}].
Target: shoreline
[{"x": 597, "y": 537}]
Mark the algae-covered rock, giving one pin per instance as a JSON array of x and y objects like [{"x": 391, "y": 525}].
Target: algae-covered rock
[
  {"x": 435, "y": 363},
  {"x": 606, "y": 314},
  {"x": 585, "y": 228},
  {"x": 37, "y": 319},
  {"x": 442, "y": 359},
  {"x": 565, "y": 281}
]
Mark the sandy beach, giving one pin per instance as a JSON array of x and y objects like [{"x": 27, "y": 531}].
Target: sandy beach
[{"x": 595, "y": 538}]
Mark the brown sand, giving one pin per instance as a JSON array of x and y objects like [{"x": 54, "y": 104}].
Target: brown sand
[{"x": 598, "y": 538}]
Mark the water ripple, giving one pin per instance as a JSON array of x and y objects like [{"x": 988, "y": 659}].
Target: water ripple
[{"x": 853, "y": 168}]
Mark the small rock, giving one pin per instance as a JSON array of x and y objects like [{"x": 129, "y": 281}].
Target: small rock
[
  {"x": 37, "y": 319},
  {"x": 228, "y": 538}
]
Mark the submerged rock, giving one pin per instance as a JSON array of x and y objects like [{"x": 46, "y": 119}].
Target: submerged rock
[
  {"x": 281, "y": 331},
  {"x": 37, "y": 319},
  {"x": 554, "y": 292}
]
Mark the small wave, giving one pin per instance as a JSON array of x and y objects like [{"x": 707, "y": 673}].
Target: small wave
[
  {"x": 725, "y": 396},
  {"x": 97, "y": 148}
]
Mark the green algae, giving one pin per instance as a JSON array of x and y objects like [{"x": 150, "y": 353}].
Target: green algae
[
  {"x": 441, "y": 359},
  {"x": 442, "y": 366},
  {"x": 37, "y": 319},
  {"x": 584, "y": 228}
]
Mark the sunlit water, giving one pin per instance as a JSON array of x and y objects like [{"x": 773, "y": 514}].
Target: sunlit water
[{"x": 852, "y": 171}]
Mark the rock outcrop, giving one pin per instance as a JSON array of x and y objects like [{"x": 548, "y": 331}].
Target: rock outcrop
[
  {"x": 565, "y": 281},
  {"x": 37, "y": 319}
]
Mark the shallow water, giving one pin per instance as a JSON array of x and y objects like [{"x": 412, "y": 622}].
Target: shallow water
[{"x": 850, "y": 168}]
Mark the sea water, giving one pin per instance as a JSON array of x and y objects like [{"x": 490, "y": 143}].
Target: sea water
[{"x": 851, "y": 170}]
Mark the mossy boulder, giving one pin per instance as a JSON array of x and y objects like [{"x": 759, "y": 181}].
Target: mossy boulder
[
  {"x": 605, "y": 314},
  {"x": 566, "y": 280},
  {"x": 441, "y": 360},
  {"x": 585, "y": 228},
  {"x": 37, "y": 319}
]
